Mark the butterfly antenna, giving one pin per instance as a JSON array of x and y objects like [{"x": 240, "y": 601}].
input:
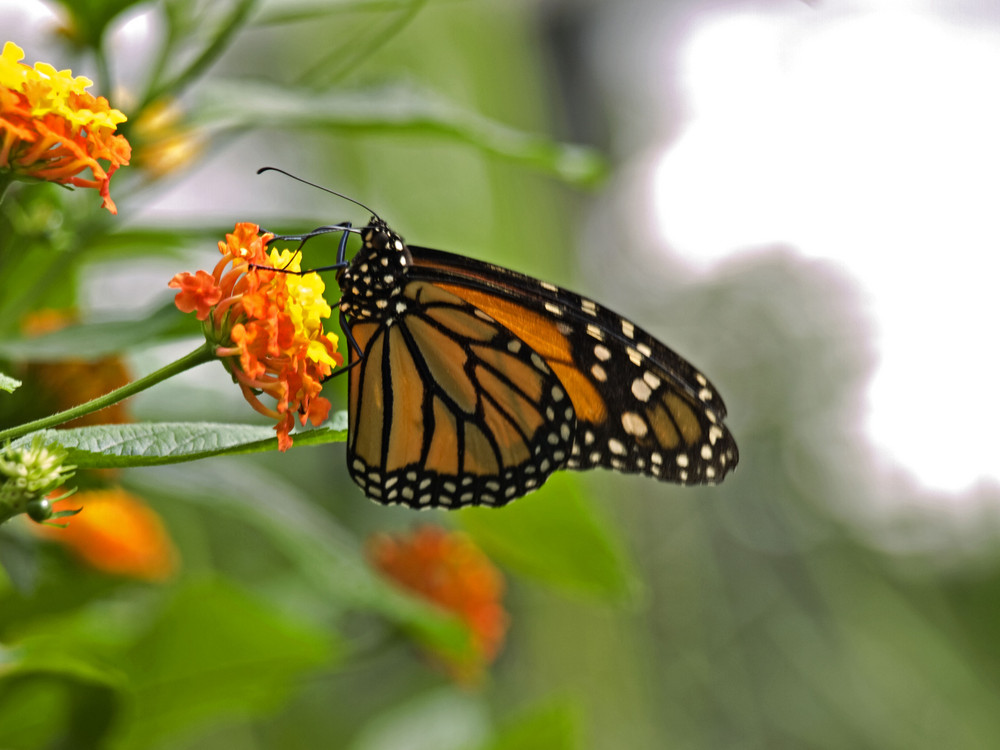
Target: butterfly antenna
[{"x": 318, "y": 187}]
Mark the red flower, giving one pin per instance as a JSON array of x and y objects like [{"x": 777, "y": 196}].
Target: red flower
[
  {"x": 266, "y": 326},
  {"x": 448, "y": 569}
]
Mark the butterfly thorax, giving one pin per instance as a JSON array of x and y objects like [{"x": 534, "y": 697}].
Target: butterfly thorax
[{"x": 370, "y": 286}]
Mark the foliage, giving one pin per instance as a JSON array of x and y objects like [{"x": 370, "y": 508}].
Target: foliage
[
  {"x": 759, "y": 614},
  {"x": 275, "y": 591}
]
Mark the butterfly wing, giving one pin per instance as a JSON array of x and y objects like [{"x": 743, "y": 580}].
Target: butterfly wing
[
  {"x": 640, "y": 407},
  {"x": 448, "y": 408}
]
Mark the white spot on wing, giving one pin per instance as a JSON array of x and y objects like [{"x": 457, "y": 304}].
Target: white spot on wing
[
  {"x": 634, "y": 424},
  {"x": 641, "y": 390}
]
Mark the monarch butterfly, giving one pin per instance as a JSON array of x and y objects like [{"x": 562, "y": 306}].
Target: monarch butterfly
[{"x": 469, "y": 383}]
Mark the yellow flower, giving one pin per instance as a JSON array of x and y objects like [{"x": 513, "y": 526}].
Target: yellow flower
[
  {"x": 266, "y": 326},
  {"x": 52, "y": 129},
  {"x": 163, "y": 142}
]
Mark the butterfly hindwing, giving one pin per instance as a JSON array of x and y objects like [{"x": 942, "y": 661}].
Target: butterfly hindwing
[{"x": 449, "y": 408}]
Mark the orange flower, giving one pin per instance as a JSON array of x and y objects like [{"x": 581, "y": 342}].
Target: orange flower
[
  {"x": 53, "y": 130},
  {"x": 448, "y": 569},
  {"x": 69, "y": 382},
  {"x": 266, "y": 326},
  {"x": 115, "y": 533}
]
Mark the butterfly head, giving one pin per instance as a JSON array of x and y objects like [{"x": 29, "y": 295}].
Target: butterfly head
[{"x": 374, "y": 279}]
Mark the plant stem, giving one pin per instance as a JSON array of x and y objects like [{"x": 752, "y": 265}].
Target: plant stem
[
  {"x": 204, "y": 353},
  {"x": 6, "y": 180}
]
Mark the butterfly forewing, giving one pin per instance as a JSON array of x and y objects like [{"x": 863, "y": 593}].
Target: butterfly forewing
[
  {"x": 640, "y": 407},
  {"x": 448, "y": 408}
]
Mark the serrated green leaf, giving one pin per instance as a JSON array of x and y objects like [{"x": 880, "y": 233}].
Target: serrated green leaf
[
  {"x": 100, "y": 338},
  {"x": 9, "y": 384},
  {"x": 157, "y": 443},
  {"x": 557, "y": 537},
  {"x": 231, "y": 105}
]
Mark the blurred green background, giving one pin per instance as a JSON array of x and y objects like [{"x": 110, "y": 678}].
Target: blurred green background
[{"x": 777, "y": 610}]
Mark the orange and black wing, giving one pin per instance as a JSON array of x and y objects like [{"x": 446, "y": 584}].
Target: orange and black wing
[
  {"x": 448, "y": 408},
  {"x": 639, "y": 406}
]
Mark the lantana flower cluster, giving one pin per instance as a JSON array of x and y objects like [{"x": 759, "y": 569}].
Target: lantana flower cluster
[
  {"x": 266, "y": 326},
  {"x": 52, "y": 129}
]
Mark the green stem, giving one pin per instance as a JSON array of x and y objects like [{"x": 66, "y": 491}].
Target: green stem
[
  {"x": 6, "y": 180},
  {"x": 204, "y": 353}
]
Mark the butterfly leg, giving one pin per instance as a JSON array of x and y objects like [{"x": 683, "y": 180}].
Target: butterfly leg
[
  {"x": 352, "y": 342},
  {"x": 345, "y": 227}
]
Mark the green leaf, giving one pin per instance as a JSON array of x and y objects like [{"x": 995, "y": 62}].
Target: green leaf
[
  {"x": 54, "y": 699},
  {"x": 557, "y": 537},
  {"x": 552, "y": 726},
  {"x": 324, "y": 553},
  {"x": 294, "y": 11},
  {"x": 158, "y": 443},
  {"x": 233, "y": 105},
  {"x": 89, "y": 19},
  {"x": 444, "y": 719},
  {"x": 18, "y": 559},
  {"x": 215, "y": 652},
  {"x": 138, "y": 242},
  {"x": 100, "y": 338},
  {"x": 9, "y": 384},
  {"x": 203, "y": 31}
]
